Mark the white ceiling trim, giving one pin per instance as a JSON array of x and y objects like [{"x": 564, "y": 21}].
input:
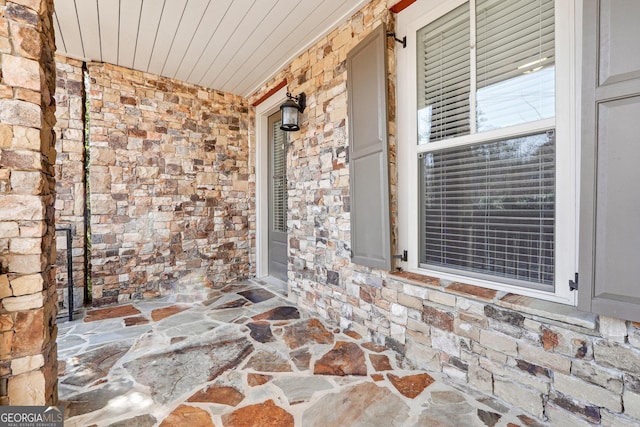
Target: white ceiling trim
[
  {"x": 235, "y": 46},
  {"x": 335, "y": 24}
]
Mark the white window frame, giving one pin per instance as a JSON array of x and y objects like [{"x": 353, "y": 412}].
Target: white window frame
[{"x": 565, "y": 123}]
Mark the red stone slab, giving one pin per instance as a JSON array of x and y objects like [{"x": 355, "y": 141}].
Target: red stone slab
[
  {"x": 306, "y": 331},
  {"x": 279, "y": 313},
  {"x": 528, "y": 421},
  {"x": 255, "y": 380},
  {"x": 185, "y": 415},
  {"x": 472, "y": 291},
  {"x": 417, "y": 278},
  {"x": 265, "y": 414},
  {"x": 111, "y": 313},
  {"x": 346, "y": 358},
  {"x": 218, "y": 394},
  {"x": 411, "y": 385},
  {"x": 162, "y": 313},
  {"x": 353, "y": 334},
  {"x": 380, "y": 362},
  {"x": 374, "y": 347},
  {"x": 377, "y": 377},
  {"x": 133, "y": 321},
  {"x": 240, "y": 302}
]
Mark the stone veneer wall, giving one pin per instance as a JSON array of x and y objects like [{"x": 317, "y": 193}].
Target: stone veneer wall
[
  {"x": 70, "y": 181},
  {"x": 28, "y": 361},
  {"x": 172, "y": 193},
  {"x": 553, "y": 361},
  {"x": 318, "y": 164}
]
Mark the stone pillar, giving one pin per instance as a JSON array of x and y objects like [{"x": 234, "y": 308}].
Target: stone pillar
[
  {"x": 70, "y": 181},
  {"x": 28, "y": 358}
]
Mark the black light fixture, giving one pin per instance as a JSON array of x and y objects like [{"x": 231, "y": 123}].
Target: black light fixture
[{"x": 290, "y": 110}]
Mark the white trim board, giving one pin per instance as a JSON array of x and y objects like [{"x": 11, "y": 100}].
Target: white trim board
[{"x": 263, "y": 111}]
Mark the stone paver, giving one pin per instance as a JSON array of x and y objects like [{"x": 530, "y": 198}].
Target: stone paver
[
  {"x": 110, "y": 313},
  {"x": 263, "y": 362}
]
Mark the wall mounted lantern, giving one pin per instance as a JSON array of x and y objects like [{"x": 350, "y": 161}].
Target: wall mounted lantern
[{"x": 291, "y": 110}]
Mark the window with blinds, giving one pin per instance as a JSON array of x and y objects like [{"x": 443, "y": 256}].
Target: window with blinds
[
  {"x": 488, "y": 206},
  {"x": 444, "y": 77},
  {"x": 515, "y": 55},
  {"x": 279, "y": 177}
]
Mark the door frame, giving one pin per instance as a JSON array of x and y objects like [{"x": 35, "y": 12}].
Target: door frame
[{"x": 263, "y": 111}]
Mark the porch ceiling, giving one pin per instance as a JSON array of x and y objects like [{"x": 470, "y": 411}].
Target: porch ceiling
[{"x": 229, "y": 45}]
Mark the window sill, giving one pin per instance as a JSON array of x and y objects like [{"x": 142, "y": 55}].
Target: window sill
[{"x": 536, "y": 307}]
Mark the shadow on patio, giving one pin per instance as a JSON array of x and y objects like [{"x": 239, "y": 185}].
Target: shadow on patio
[{"x": 245, "y": 356}]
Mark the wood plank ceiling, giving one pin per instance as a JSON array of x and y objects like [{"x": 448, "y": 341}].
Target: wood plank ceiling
[{"x": 229, "y": 45}]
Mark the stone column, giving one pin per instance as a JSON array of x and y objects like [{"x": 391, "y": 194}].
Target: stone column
[
  {"x": 70, "y": 181},
  {"x": 28, "y": 358}
]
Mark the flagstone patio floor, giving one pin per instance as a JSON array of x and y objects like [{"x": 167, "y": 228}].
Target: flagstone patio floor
[{"x": 245, "y": 356}]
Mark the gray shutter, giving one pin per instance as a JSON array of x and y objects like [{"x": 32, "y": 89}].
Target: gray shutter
[
  {"x": 368, "y": 154},
  {"x": 610, "y": 200}
]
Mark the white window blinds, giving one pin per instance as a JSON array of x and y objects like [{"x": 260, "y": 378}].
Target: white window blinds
[
  {"x": 279, "y": 177},
  {"x": 515, "y": 62},
  {"x": 488, "y": 209},
  {"x": 444, "y": 77},
  {"x": 515, "y": 73}
]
